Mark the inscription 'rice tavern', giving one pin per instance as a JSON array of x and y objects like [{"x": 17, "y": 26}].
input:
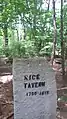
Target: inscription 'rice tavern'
[{"x": 35, "y": 84}]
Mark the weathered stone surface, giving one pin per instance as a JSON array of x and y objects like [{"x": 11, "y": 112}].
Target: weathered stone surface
[{"x": 34, "y": 89}]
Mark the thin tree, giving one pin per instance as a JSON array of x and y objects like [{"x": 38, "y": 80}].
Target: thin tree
[
  {"x": 48, "y": 4},
  {"x": 4, "y": 22},
  {"x": 34, "y": 18},
  {"x": 5, "y": 31},
  {"x": 55, "y": 33},
  {"x": 62, "y": 43}
]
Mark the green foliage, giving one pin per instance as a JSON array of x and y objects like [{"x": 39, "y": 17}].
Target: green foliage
[
  {"x": 20, "y": 49},
  {"x": 36, "y": 33},
  {"x": 63, "y": 98},
  {"x": 27, "y": 48},
  {"x": 46, "y": 50},
  {"x": 1, "y": 51}
]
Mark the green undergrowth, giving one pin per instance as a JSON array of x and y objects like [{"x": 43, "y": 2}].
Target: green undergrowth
[
  {"x": 25, "y": 49},
  {"x": 63, "y": 98}
]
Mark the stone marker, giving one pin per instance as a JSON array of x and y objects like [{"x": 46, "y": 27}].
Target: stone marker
[{"x": 34, "y": 89}]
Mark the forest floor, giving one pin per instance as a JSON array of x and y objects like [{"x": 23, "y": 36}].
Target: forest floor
[{"x": 6, "y": 93}]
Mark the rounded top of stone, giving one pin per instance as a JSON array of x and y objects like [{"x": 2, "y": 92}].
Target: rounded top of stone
[{"x": 35, "y": 60}]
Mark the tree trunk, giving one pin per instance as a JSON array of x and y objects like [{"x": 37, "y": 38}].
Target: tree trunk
[
  {"x": 24, "y": 27},
  {"x": 62, "y": 43},
  {"x": 34, "y": 18},
  {"x": 5, "y": 31},
  {"x": 17, "y": 35},
  {"x": 48, "y": 4},
  {"x": 55, "y": 33}
]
